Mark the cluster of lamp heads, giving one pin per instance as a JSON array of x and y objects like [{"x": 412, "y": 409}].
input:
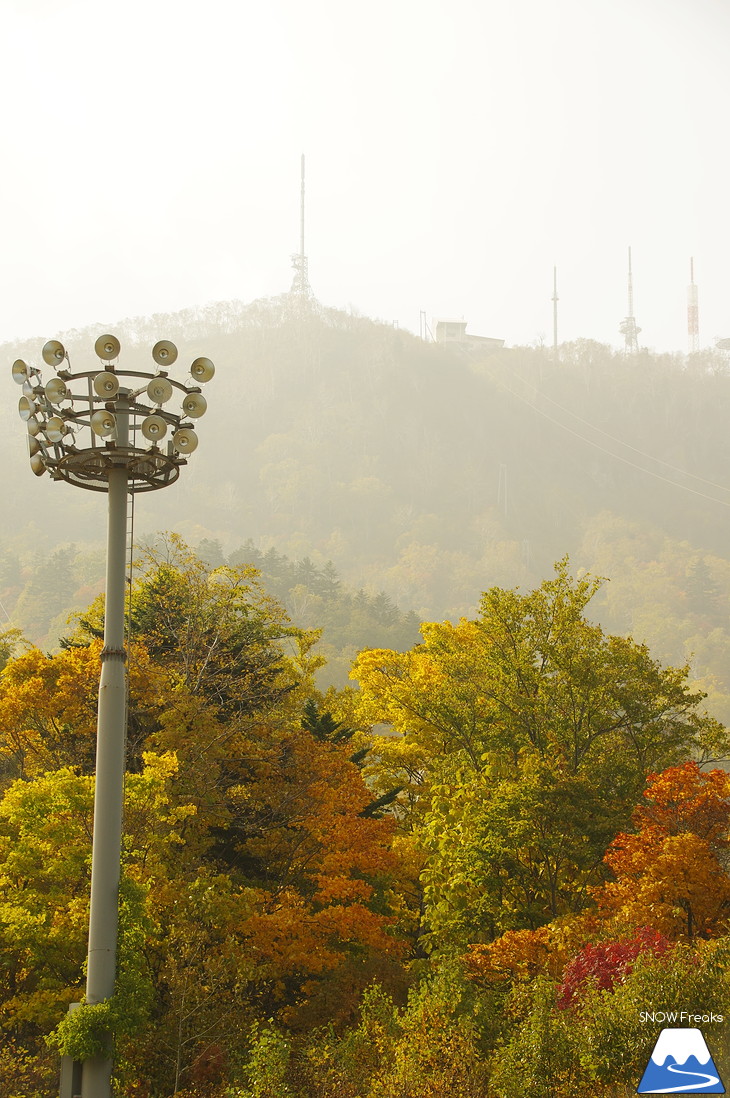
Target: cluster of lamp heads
[{"x": 54, "y": 414}]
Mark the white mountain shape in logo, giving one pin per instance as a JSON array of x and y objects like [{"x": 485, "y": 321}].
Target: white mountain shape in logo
[
  {"x": 681, "y": 1063},
  {"x": 681, "y": 1044}
]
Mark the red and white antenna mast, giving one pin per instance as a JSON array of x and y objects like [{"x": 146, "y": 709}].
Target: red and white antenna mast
[{"x": 693, "y": 313}]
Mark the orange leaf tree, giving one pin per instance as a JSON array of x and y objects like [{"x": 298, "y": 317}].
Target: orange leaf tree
[{"x": 672, "y": 873}]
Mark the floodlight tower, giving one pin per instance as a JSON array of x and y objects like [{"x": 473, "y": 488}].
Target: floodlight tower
[
  {"x": 693, "y": 313},
  {"x": 628, "y": 327},
  {"x": 85, "y": 428}
]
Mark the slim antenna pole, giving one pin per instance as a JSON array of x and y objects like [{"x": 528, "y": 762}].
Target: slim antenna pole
[
  {"x": 300, "y": 287},
  {"x": 628, "y": 327},
  {"x": 693, "y": 313},
  {"x": 555, "y": 313},
  {"x": 301, "y": 237}
]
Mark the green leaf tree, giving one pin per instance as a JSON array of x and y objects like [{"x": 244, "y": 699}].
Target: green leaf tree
[{"x": 537, "y": 731}]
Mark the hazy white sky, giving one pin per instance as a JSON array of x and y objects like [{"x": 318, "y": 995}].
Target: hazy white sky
[{"x": 456, "y": 150}]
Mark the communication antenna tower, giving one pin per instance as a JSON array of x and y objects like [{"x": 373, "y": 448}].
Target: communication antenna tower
[
  {"x": 424, "y": 331},
  {"x": 300, "y": 285},
  {"x": 628, "y": 327},
  {"x": 693, "y": 313},
  {"x": 555, "y": 313}
]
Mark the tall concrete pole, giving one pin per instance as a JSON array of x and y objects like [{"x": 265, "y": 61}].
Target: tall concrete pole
[{"x": 110, "y": 767}]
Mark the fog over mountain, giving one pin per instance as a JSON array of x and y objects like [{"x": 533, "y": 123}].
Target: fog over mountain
[{"x": 424, "y": 470}]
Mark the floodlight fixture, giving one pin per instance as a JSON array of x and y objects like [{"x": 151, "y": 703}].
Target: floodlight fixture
[
  {"x": 104, "y": 424},
  {"x": 22, "y": 372},
  {"x": 56, "y": 390},
  {"x": 164, "y": 352},
  {"x": 53, "y": 352},
  {"x": 159, "y": 390},
  {"x": 195, "y": 405},
  {"x": 106, "y": 385},
  {"x": 202, "y": 369},
  {"x": 107, "y": 347},
  {"x": 56, "y": 428},
  {"x": 185, "y": 440},
  {"x": 154, "y": 428},
  {"x": 38, "y": 465},
  {"x": 27, "y": 408}
]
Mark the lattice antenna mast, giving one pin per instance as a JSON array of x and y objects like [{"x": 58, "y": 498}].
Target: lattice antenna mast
[
  {"x": 628, "y": 327},
  {"x": 300, "y": 285},
  {"x": 693, "y": 313},
  {"x": 555, "y": 313}
]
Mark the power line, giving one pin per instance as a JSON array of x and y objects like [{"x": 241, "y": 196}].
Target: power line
[
  {"x": 619, "y": 457},
  {"x": 636, "y": 450}
]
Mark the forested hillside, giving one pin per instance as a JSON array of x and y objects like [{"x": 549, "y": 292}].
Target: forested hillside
[{"x": 416, "y": 470}]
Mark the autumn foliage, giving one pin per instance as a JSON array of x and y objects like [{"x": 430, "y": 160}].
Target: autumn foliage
[
  {"x": 311, "y": 910},
  {"x": 671, "y": 872},
  {"x": 606, "y": 964}
]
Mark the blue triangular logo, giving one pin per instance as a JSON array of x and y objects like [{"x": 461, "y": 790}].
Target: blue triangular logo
[{"x": 681, "y": 1064}]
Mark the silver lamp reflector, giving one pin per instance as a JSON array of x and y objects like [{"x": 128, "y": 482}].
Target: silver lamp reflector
[
  {"x": 38, "y": 465},
  {"x": 154, "y": 428},
  {"x": 56, "y": 390},
  {"x": 103, "y": 424},
  {"x": 55, "y": 429},
  {"x": 185, "y": 440},
  {"x": 53, "y": 352},
  {"x": 107, "y": 347},
  {"x": 26, "y": 408},
  {"x": 164, "y": 352},
  {"x": 202, "y": 369},
  {"x": 195, "y": 405},
  {"x": 159, "y": 390},
  {"x": 20, "y": 371},
  {"x": 106, "y": 385}
]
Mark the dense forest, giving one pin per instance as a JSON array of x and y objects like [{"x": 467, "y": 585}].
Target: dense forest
[
  {"x": 469, "y": 876},
  {"x": 427, "y": 747}
]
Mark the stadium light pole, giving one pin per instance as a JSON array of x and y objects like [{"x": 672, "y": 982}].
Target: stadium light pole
[{"x": 107, "y": 420}]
